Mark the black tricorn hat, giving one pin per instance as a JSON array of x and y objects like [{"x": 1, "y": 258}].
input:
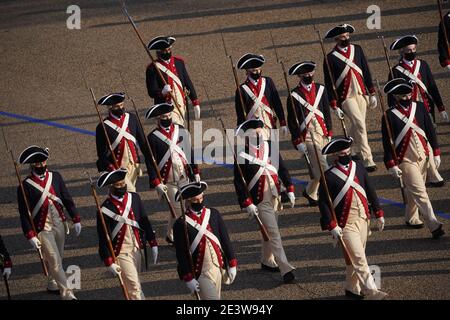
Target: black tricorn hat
[
  {"x": 302, "y": 67},
  {"x": 112, "y": 99},
  {"x": 160, "y": 43},
  {"x": 403, "y": 42},
  {"x": 33, "y": 154},
  {"x": 158, "y": 110},
  {"x": 191, "y": 190},
  {"x": 338, "y": 30},
  {"x": 337, "y": 145},
  {"x": 250, "y": 61},
  {"x": 109, "y": 177},
  {"x": 249, "y": 124},
  {"x": 398, "y": 86}
]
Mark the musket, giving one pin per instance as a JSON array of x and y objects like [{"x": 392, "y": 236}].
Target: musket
[
  {"x": 263, "y": 229},
  {"x": 108, "y": 141},
  {"x": 27, "y": 204},
  {"x": 236, "y": 80},
  {"x": 158, "y": 71},
  {"x": 186, "y": 240},
  {"x": 386, "y": 55},
  {"x": 330, "y": 74},
  {"x": 106, "y": 233},
  {"x": 152, "y": 157},
  {"x": 443, "y": 27},
  {"x": 390, "y": 136},
  {"x": 281, "y": 62}
]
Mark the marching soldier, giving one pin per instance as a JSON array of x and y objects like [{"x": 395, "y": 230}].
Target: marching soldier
[
  {"x": 179, "y": 86},
  {"x": 312, "y": 98},
  {"x": 5, "y": 260},
  {"x": 355, "y": 89},
  {"x": 258, "y": 163},
  {"x": 425, "y": 89},
  {"x": 171, "y": 145},
  {"x": 444, "y": 55},
  {"x": 47, "y": 195},
  {"x": 414, "y": 141},
  {"x": 126, "y": 137},
  {"x": 353, "y": 198},
  {"x": 260, "y": 96},
  {"x": 129, "y": 228},
  {"x": 213, "y": 258}
]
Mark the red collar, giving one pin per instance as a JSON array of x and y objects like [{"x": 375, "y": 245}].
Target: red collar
[
  {"x": 164, "y": 131},
  {"x": 119, "y": 204},
  {"x": 346, "y": 54},
  {"x": 115, "y": 120},
  {"x": 341, "y": 168},
  {"x": 38, "y": 180},
  {"x": 194, "y": 216}
]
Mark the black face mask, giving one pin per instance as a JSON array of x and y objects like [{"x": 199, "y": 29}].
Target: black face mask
[
  {"x": 165, "y": 55},
  {"x": 118, "y": 112},
  {"x": 405, "y": 103},
  {"x": 255, "y": 76},
  {"x": 119, "y": 192},
  {"x": 307, "y": 80},
  {"x": 197, "y": 207},
  {"x": 165, "y": 122},
  {"x": 40, "y": 170},
  {"x": 345, "y": 160},
  {"x": 344, "y": 43},
  {"x": 410, "y": 56}
]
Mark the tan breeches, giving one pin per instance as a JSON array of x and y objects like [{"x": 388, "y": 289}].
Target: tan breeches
[
  {"x": 358, "y": 277},
  {"x": 179, "y": 113},
  {"x": 172, "y": 189},
  {"x": 210, "y": 279},
  {"x": 272, "y": 251},
  {"x": 313, "y": 186},
  {"x": 53, "y": 252},
  {"x": 130, "y": 264},
  {"x": 417, "y": 200},
  {"x": 355, "y": 110}
]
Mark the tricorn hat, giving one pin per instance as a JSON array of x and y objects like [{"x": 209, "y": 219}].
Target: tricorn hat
[
  {"x": 160, "y": 43},
  {"x": 33, "y": 154},
  {"x": 109, "y": 177},
  {"x": 250, "y": 61},
  {"x": 337, "y": 145},
  {"x": 191, "y": 190}
]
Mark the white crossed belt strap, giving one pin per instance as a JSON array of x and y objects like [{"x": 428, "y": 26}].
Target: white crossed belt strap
[
  {"x": 313, "y": 109},
  {"x": 202, "y": 230},
  {"x": 349, "y": 182},
  {"x": 257, "y": 101},
  {"x": 45, "y": 193},
  {"x": 348, "y": 64},
  {"x": 264, "y": 165},
  {"x": 121, "y": 219},
  {"x": 172, "y": 144},
  {"x": 414, "y": 76},
  {"x": 122, "y": 131},
  {"x": 409, "y": 124},
  {"x": 170, "y": 74}
]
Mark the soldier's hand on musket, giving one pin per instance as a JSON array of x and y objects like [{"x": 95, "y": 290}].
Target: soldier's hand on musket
[
  {"x": 114, "y": 269},
  {"x": 232, "y": 274},
  {"x": 197, "y": 178},
  {"x": 161, "y": 189},
  {"x": 291, "y": 197},
  {"x": 252, "y": 211},
  {"x": 193, "y": 285},
  {"x": 6, "y": 273},
  {"x": 284, "y": 130},
  {"x": 437, "y": 161},
  {"x": 396, "y": 172},
  {"x": 77, "y": 227},
  {"x": 444, "y": 115},
  {"x": 35, "y": 243},
  {"x": 197, "y": 112},
  {"x": 336, "y": 233},
  {"x": 301, "y": 147},
  {"x": 166, "y": 90},
  {"x": 373, "y": 101},
  {"x": 339, "y": 113},
  {"x": 380, "y": 223}
]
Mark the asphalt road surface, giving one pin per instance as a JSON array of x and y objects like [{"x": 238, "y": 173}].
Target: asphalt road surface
[{"x": 44, "y": 101}]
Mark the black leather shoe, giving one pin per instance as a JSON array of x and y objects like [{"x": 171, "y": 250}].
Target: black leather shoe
[
  {"x": 289, "y": 278},
  {"x": 169, "y": 241},
  {"x": 311, "y": 201},
  {"x": 270, "y": 269},
  {"x": 354, "y": 296},
  {"x": 371, "y": 168},
  {"x": 414, "y": 226},
  {"x": 438, "y": 184},
  {"x": 55, "y": 292},
  {"x": 439, "y": 232}
]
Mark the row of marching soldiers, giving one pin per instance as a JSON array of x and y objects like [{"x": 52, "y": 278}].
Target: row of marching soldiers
[{"x": 339, "y": 185}]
